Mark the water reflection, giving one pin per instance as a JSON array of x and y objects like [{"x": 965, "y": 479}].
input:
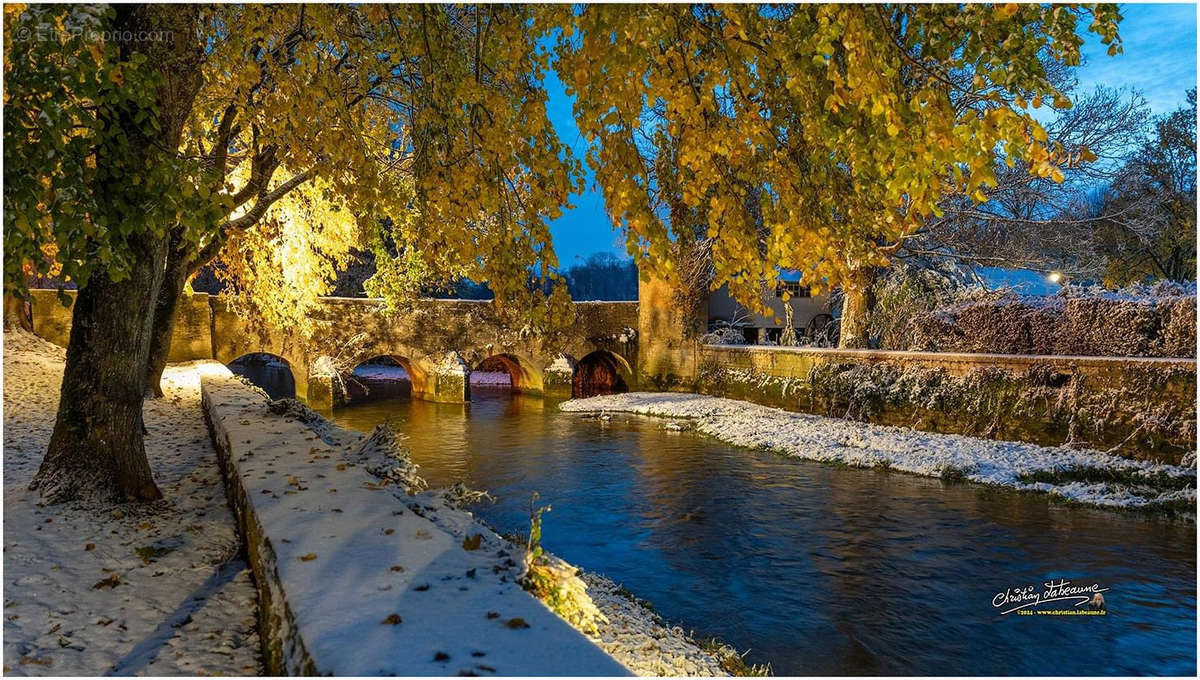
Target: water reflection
[
  {"x": 267, "y": 371},
  {"x": 817, "y": 570},
  {"x": 379, "y": 378}
]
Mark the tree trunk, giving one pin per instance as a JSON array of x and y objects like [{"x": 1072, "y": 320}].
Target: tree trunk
[
  {"x": 165, "y": 310},
  {"x": 97, "y": 450},
  {"x": 858, "y": 301}
]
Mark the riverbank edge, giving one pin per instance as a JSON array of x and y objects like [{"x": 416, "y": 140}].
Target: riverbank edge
[
  {"x": 953, "y": 458},
  {"x": 283, "y": 648},
  {"x": 615, "y": 601}
]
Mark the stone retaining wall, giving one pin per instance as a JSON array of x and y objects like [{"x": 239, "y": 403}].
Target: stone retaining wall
[
  {"x": 1140, "y": 408},
  {"x": 356, "y": 577}
]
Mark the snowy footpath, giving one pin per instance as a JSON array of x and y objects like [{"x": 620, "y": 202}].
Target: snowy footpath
[
  {"x": 1078, "y": 475},
  {"x": 370, "y": 574},
  {"x": 127, "y": 590}
]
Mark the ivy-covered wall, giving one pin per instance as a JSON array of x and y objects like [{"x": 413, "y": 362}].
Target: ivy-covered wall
[{"x": 1139, "y": 408}]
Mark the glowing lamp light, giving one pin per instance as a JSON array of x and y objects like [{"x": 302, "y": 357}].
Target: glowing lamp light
[{"x": 1055, "y": 277}]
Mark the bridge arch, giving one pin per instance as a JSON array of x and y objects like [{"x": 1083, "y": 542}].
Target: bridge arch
[
  {"x": 383, "y": 376},
  {"x": 267, "y": 370},
  {"x": 523, "y": 376},
  {"x": 439, "y": 377},
  {"x": 601, "y": 372}
]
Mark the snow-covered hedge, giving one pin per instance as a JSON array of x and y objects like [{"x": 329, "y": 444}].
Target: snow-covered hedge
[
  {"x": 1144, "y": 320},
  {"x": 726, "y": 335}
]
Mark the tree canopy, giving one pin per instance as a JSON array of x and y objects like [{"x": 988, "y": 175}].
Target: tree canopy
[
  {"x": 431, "y": 117},
  {"x": 279, "y": 134},
  {"x": 77, "y": 112},
  {"x": 809, "y": 137},
  {"x": 846, "y": 124},
  {"x": 422, "y": 132},
  {"x": 1147, "y": 225}
]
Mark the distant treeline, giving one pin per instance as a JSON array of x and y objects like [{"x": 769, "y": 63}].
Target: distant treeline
[{"x": 602, "y": 276}]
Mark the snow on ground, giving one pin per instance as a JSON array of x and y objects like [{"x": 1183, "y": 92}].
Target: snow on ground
[
  {"x": 380, "y": 373},
  {"x": 643, "y": 642},
  {"x": 146, "y": 590},
  {"x": 859, "y": 444}
]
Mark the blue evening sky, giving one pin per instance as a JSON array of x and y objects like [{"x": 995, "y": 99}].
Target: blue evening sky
[{"x": 1159, "y": 61}]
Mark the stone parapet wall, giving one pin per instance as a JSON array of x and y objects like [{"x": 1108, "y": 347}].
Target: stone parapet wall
[
  {"x": 51, "y": 318},
  {"x": 192, "y": 338},
  {"x": 283, "y": 649},
  {"x": 357, "y": 577},
  {"x": 667, "y": 348},
  {"x": 1138, "y": 407}
]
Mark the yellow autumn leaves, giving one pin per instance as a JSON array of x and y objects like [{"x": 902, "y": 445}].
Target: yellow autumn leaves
[
  {"x": 814, "y": 137},
  {"x": 426, "y": 130},
  {"x": 844, "y": 125}
]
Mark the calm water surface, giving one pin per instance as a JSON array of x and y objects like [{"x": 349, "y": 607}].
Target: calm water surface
[{"x": 815, "y": 569}]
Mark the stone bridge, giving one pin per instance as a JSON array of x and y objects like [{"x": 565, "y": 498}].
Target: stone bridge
[
  {"x": 438, "y": 342},
  {"x": 1138, "y": 407}
]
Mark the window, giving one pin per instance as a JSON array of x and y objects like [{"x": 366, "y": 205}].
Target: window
[{"x": 792, "y": 288}]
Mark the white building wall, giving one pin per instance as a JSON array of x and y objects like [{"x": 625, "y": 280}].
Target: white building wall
[{"x": 722, "y": 307}]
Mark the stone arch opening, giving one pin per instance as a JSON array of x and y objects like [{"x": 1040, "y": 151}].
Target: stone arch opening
[
  {"x": 503, "y": 371},
  {"x": 269, "y": 371},
  {"x": 385, "y": 376},
  {"x": 600, "y": 372}
]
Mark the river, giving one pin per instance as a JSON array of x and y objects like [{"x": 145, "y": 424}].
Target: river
[{"x": 815, "y": 569}]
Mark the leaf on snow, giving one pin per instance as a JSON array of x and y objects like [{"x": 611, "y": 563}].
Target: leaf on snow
[{"x": 112, "y": 581}]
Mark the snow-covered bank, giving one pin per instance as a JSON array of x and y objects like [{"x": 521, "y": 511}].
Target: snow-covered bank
[
  {"x": 646, "y": 644},
  {"x": 381, "y": 372},
  {"x": 1081, "y": 475},
  {"x": 132, "y": 589}
]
